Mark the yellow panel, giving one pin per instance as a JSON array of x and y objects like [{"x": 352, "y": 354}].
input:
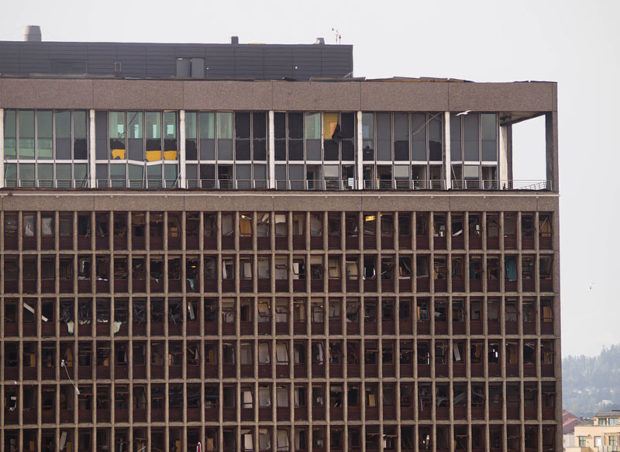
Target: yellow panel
[
  {"x": 170, "y": 155},
  {"x": 330, "y": 121},
  {"x": 118, "y": 154},
  {"x": 153, "y": 156}
]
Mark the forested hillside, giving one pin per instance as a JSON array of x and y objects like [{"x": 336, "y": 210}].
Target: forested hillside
[{"x": 592, "y": 384}]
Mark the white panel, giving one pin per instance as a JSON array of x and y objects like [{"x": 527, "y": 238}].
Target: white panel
[
  {"x": 182, "y": 174},
  {"x": 92, "y": 144}
]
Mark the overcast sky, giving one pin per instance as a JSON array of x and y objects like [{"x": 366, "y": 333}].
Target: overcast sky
[{"x": 576, "y": 43}]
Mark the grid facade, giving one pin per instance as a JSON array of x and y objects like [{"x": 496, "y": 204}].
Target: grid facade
[{"x": 337, "y": 328}]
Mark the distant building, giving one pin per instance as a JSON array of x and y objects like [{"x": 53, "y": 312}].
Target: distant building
[
  {"x": 602, "y": 435},
  {"x": 569, "y": 421}
]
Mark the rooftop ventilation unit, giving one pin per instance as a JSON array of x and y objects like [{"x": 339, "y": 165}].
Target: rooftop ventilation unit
[{"x": 32, "y": 33}]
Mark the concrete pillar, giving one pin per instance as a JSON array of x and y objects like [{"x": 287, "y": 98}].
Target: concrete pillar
[
  {"x": 1, "y": 147},
  {"x": 92, "y": 150},
  {"x": 505, "y": 156},
  {"x": 551, "y": 145},
  {"x": 271, "y": 152},
  {"x": 182, "y": 175},
  {"x": 359, "y": 158},
  {"x": 447, "y": 150}
]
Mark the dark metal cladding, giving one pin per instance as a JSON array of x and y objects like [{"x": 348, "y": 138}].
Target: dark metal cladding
[{"x": 157, "y": 61}]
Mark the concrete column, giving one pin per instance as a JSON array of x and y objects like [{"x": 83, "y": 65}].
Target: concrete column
[
  {"x": 92, "y": 149},
  {"x": 359, "y": 160},
  {"x": 182, "y": 176},
  {"x": 505, "y": 156},
  {"x": 271, "y": 152},
  {"x": 447, "y": 150},
  {"x": 1, "y": 147},
  {"x": 551, "y": 146}
]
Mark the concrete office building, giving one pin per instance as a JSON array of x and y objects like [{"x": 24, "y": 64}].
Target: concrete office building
[{"x": 262, "y": 261}]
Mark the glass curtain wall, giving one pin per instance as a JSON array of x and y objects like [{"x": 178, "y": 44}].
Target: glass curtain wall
[
  {"x": 226, "y": 149},
  {"x": 137, "y": 149},
  {"x": 46, "y": 148},
  {"x": 314, "y": 150},
  {"x": 402, "y": 150},
  {"x": 474, "y": 150}
]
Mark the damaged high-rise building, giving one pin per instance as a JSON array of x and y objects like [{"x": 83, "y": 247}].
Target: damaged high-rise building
[{"x": 244, "y": 247}]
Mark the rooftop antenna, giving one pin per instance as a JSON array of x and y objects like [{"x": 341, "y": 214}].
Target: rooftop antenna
[{"x": 337, "y": 35}]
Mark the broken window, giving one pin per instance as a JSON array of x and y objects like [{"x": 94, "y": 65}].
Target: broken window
[
  {"x": 318, "y": 353},
  {"x": 333, "y": 264},
  {"x": 281, "y": 265},
  {"x": 264, "y": 353},
  {"x": 545, "y": 230},
  {"x": 353, "y": 308},
  {"x": 422, "y": 311},
  {"x": 282, "y": 396},
  {"x": 351, "y": 224},
  {"x": 371, "y": 353},
  {"x": 299, "y": 310},
  {"x": 103, "y": 310},
  {"x": 299, "y": 267},
  {"x": 370, "y": 271},
  {"x": 245, "y": 224},
  {"x": 441, "y": 352},
  {"x": 546, "y": 352},
  {"x": 282, "y": 311},
  {"x": 281, "y": 227},
  {"x": 299, "y": 223},
  {"x": 372, "y": 393},
  {"x": 477, "y": 351},
  {"x": 282, "y": 353},
  {"x": 510, "y": 264},
  {"x": 316, "y": 267},
  {"x": 404, "y": 309},
  {"x": 546, "y": 310},
  {"x": 336, "y": 396},
  {"x": 157, "y": 268},
  {"x": 228, "y": 353},
  {"x": 316, "y": 224},
  {"x": 264, "y": 267},
  {"x": 352, "y": 267},
  {"x": 228, "y": 225},
  {"x": 228, "y": 268},
  {"x": 228, "y": 310},
  {"x": 210, "y": 267},
  {"x": 422, "y": 269},
  {"x": 174, "y": 268},
  {"x": 493, "y": 269},
  {"x": 299, "y": 353},
  {"x": 334, "y": 309},
  {"x": 387, "y": 267},
  {"x": 335, "y": 352},
  {"x": 458, "y": 310},
  {"x": 546, "y": 270},
  {"x": 157, "y": 310},
  {"x": 493, "y": 353},
  {"x": 353, "y": 352},
  {"x": 264, "y": 310},
  {"x": 318, "y": 312},
  {"x": 512, "y": 310},
  {"x": 493, "y": 308}
]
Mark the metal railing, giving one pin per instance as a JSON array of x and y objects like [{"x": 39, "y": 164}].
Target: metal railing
[{"x": 285, "y": 184}]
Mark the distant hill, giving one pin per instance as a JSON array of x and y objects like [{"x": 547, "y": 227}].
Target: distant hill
[{"x": 592, "y": 384}]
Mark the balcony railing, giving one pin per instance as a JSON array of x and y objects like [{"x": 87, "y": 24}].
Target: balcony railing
[{"x": 286, "y": 185}]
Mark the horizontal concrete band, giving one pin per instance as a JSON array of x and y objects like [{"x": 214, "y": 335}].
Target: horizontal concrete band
[
  {"x": 353, "y": 95},
  {"x": 182, "y": 200}
]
